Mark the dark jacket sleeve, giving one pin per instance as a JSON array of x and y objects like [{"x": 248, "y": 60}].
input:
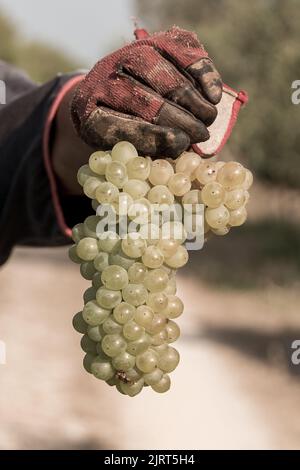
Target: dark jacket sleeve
[{"x": 27, "y": 213}]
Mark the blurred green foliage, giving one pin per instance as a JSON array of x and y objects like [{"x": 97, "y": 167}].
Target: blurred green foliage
[
  {"x": 256, "y": 47},
  {"x": 39, "y": 60}
]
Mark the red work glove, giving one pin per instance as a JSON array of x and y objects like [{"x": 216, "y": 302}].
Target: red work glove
[{"x": 158, "y": 92}]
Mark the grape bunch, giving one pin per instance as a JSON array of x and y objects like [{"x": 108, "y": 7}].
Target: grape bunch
[{"x": 127, "y": 321}]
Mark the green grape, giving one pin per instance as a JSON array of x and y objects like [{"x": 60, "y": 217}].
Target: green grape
[
  {"x": 171, "y": 288},
  {"x": 161, "y": 172},
  {"x": 191, "y": 200},
  {"x": 93, "y": 314},
  {"x": 179, "y": 259},
  {"x": 150, "y": 233},
  {"x": 157, "y": 301},
  {"x": 158, "y": 323},
  {"x": 114, "y": 277},
  {"x": 109, "y": 242},
  {"x": 90, "y": 186},
  {"x": 102, "y": 369},
  {"x": 174, "y": 230},
  {"x": 231, "y": 175},
  {"x": 124, "y": 312},
  {"x": 248, "y": 181},
  {"x": 120, "y": 259},
  {"x": 179, "y": 184},
  {"x": 187, "y": 163},
  {"x": 163, "y": 385},
  {"x": 156, "y": 280},
  {"x": 94, "y": 333},
  {"x": 168, "y": 360},
  {"x": 133, "y": 331},
  {"x": 108, "y": 298},
  {"x": 83, "y": 174},
  {"x": 90, "y": 226},
  {"x": 111, "y": 327},
  {"x": 132, "y": 389},
  {"x": 135, "y": 294},
  {"x": 173, "y": 331},
  {"x": 134, "y": 245},
  {"x": 87, "y": 362},
  {"x": 139, "y": 346},
  {"x": 123, "y": 152},
  {"x": 89, "y": 294},
  {"x": 78, "y": 232},
  {"x": 237, "y": 217},
  {"x": 147, "y": 361},
  {"x": 123, "y": 361},
  {"x": 168, "y": 246},
  {"x": 153, "y": 377},
  {"x": 174, "y": 307},
  {"x": 213, "y": 194},
  {"x": 96, "y": 282},
  {"x": 221, "y": 231},
  {"x": 159, "y": 338},
  {"x": 136, "y": 188},
  {"x": 116, "y": 174},
  {"x": 138, "y": 168},
  {"x": 106, "y": 193},
  {"x": 112, "y": 345},
  {"x": 235, "y": 199},
  {"x": 144, "y": 316},
  {"x": 122, "y": 203},
  {"x": 98, "y": 162},
  {"x": 218, "y": 217},
  {"x": 79, "y": 324},
  {"x": 87, "y": 345},
  {"x": 160, "y": 194},
  {"x": 140, "y": 211},
  {"x": 101, "y": 261},
  {"x": 206, "y": 172},
  {"x": 152, "y": 257},
  {"x": 87, "y": 248},
  {"x": 73, "y": 255},
  {"x": 87, "y": 270},
  {"x": 95, "y": 205},
  {"x": 137, "y": 273}
]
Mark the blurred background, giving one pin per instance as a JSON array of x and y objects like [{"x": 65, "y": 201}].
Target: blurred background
[{"x": 236, "y": 386}]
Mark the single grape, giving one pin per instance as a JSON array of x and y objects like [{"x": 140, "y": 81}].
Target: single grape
[
  {"x": 159, "y": 338},
  {"x": 237, "y": 217},
  {"x": 147, "y": 361},
  {"x": 87, "y": 270},
  {"x": 206, "y": 172},
  {"x": 114, "y": 277},
  {"x": 163, "y": 385},
  {"x": 123, "y": 152},
  {"x": 89, "y": 294},
  {"x": 235, "y": 199},
  {"x": 98, "y": 162},
  {"x": 116, "y": 174},
  {"x": 123, "y": 361},
  {"x": 160, "y": 194},
  {"x": 137, "y": 273},
  {"x": 158, "y": 323},
  {"x": 95, "y": 204},
  {"x": 144, "y": 316},
  {"x": 120, "y": 259},
  {"x": 133, "y": 331},
  {"x": 221, "y": 231},
  {"x": 138, "y": 168},
  {"x": 174, "y": 307},
  {"x": 135, "y": 294},
  {"x": 96, "y": 282},
  {"x": 153, "y": 257},
  {"x": 179, "y": 184},
  {"x": 136, "y": 188},
  {"x": 87, "y": 362},
  {"x": 248, "y": 181},
  {"x": 156, "y": 280},
  {"x": 87, "y": 345},
  {"x": 79, "y": 324},
  {"x": 94, "y": 333},
  {"x": 134, "y": 245},
  {"x": 78, "y": 232},
  {"x": 139, "y": 346},
  {"x": 102, "y": 369},
  {"x": 213, "y": 194},
  {"x": 112, "y": 345},
  {"x": 132, "y": 389},
  {"x": 173, "y": 331},
  {"x": 231, "y": 175},
  {"x": 90, "y": 226},
  {"x": 124, "y": 312},
  {"x": 111, "y": 327},
  {"x": 168, "y": 246},
  {"x": 93, "y": 314},
  {"x": 218, "y": 217},
  {"x": 158, "y": 301},
  {"x": 108, "y": 298},
  {"x": 109, "y": 242},
  {"x": 87, "y": 248},
  {"x": 179, "y": 259},
  {"x": 171, "y": 288},
  {"x": 153, "y": 377},
  {"x": 73, "y": 255},
  {"x": 84, "y": 173},
  {"x": 101, "y": 261},
  {"x": 168, "y": 360},
  {"x": 187, "y": 163},
  {"x": 90, "y": 186},
  {"x": 106, "y": 193},
  {"x": 161, "y": 172}
]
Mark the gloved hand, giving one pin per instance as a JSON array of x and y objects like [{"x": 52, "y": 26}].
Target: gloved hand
[{"x": 158, "y": 93}]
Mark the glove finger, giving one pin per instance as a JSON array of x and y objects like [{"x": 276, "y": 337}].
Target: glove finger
[
  {"x": 105, "y": 127},
  {"x": 147, "y": 65},
  {"x": 206, "y": 74}
]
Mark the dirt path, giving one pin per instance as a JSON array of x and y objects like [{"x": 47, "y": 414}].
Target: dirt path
[{"x": 47, "y": 401}]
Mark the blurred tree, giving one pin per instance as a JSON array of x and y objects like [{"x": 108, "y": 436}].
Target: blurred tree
[
  {"x": 256, "y": 46},
  {"x": 39, "y": 60}
]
